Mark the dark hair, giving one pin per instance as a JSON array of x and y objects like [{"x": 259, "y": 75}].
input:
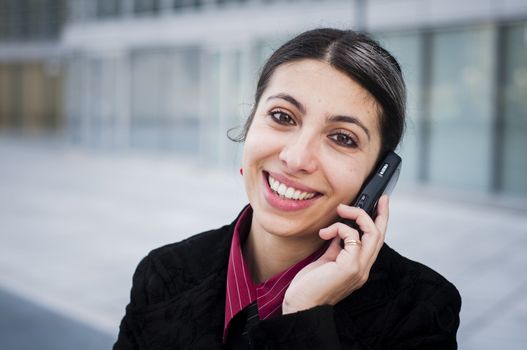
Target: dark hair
[{"x": 356, "y": 55}]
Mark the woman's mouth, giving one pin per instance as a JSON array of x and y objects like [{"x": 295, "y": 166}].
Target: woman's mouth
[
  {"x": 287, "y": 197},
  {"x": 288, "y": 192}
]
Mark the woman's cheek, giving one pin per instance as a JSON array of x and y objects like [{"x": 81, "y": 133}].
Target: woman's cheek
[
  {"x": 347, "y": 182},
  {"x": 252, "y": 151}
]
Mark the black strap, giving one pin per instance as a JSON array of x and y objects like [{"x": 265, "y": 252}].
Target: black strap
[
  {"x": 238, "y": 337},
  {"x": 252, "y": 317}
]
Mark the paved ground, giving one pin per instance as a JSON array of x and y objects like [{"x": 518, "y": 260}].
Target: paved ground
[
  {"x": 26, "y": 325},
  {"x": 73, "y": 225}
]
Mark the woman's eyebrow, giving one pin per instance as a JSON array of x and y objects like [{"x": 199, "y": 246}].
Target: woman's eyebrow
[
  {"x": 291, "y": 100},
  {"x": 352, "y": 120}
]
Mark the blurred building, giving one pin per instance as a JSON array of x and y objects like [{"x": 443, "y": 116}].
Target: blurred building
[
  {"x": 31, "y": 62},
  {"x": 176, "y": 74}
]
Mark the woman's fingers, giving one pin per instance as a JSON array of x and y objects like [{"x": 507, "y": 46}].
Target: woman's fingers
[
  {"x": 373, "y": 235},
  {"x": 332, "y": 251},
  {"x": 337, "y": 229},
  {"x": 361, "y": 218},
  {"x": 341, "y": 232},
  {"x": 360, "y": 251}
]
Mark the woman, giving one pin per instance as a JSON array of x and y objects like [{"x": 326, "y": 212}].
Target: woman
[{"x": 286, "y": 274}]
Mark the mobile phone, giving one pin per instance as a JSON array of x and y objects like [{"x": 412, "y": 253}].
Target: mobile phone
[{"x": 381, "y": 181}]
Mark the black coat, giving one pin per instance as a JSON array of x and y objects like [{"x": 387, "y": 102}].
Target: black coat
[{"x": 178, "y": 302}]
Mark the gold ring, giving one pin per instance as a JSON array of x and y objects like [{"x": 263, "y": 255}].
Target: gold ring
[{"x": 348, "y": 241}]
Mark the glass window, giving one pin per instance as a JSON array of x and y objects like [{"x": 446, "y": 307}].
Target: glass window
[
  {"x": 221, "y": 2},
  {"x": 224, "y": 88},
  {"x": 180, "y": 4},
  {"x": 180, "y": 99},
  {"x": 53, "y": 95},
  {"x": 35, "y": 18},
  {"x": 5, "y": 95},
  {"x": 406, "y": 48},
  {"x": 515, "y": 111},
  {"x": 461, "y": 103},
  {"x": 166, "y": 99},
  {"x": 188, "y": 4},
  {"x": 16, "y": 24},
  {"x": 95, "y": 85},
  {"x": 102, "y": 113},
  {"x": 74, "y": 97},
  {"x": 32, "y": 99},
  {"x": 56, "y": 16},
  {"x": 146, "y": 6},
  {"x": 12, "y": 80},
  {"x": 145, "y": 95},
  {"x": 30, "y": 19},
  {"x": 108, "y": 8},
  {"x": 3, "y": 20}
]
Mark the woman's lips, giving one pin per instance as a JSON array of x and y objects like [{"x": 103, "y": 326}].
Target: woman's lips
[
  {"x": 281, "y": 202},
  {"x": 290, "y": 183}
]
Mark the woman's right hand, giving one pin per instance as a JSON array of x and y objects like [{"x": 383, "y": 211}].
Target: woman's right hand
[{"x": 341, "y": 269}]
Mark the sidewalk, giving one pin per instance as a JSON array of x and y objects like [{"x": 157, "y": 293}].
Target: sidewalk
[
  {"x": 74, "y": 224},
  {"x": 24, "y": 325}
]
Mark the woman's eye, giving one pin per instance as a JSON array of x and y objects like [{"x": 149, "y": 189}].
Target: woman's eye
[
  {"x": 282, "y": 118},
  {"x": 343, "y": 139}
]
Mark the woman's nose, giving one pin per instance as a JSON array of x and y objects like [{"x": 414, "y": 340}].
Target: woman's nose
[{"x": 300, "y": 154}]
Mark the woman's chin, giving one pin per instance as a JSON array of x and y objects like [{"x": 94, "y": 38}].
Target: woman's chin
[{"x": 283, "y": 224}]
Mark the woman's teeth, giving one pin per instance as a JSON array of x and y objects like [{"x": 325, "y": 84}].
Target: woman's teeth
[{"x": 289, "y": 192}]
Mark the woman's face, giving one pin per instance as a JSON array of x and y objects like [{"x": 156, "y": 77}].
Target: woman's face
[{"x": 313, "y": 141}]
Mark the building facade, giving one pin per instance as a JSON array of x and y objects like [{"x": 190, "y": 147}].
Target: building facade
[
  {"x": 175, "y": 75},
  {"x": 31, "y": 62}
]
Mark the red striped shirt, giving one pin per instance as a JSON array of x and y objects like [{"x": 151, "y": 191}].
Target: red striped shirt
[{"x": 241, "y": 291}]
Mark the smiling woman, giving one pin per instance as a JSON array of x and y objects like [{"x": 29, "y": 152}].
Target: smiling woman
[
  {"x": 287, "y": 273},
  {"x": 304, "y": 139}
]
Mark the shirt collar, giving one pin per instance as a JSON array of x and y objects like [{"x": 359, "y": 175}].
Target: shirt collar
[{"x": 241, "y": 290}]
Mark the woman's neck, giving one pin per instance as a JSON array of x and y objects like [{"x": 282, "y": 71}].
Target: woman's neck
[{"x": 267, "y": 254}]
